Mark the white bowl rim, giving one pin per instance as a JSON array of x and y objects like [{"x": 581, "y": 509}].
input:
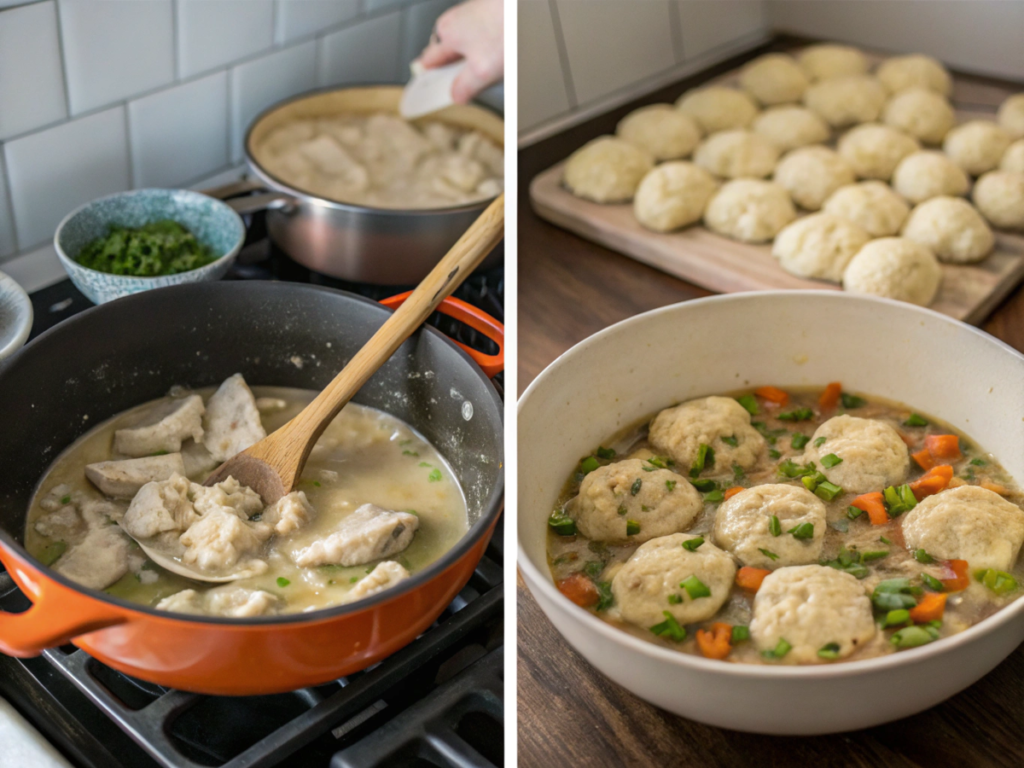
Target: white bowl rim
[
  {"x": 230, "y": 254},
  {"x": 18, "y": 341},
  {"x": 536, "y": 580}
]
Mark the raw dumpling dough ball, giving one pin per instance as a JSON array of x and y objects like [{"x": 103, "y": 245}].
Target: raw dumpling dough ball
[
  {"x": 811, "y": 606},
  {"x": 819, "y": 246},
  {"x": 607, "y": 170},
  {"x": 660, "y": 129},
  {"x": 823, "y": 62},
  {"x": 895, "y": 268},
  {"x": 1013, "y": 158},
  {"x": 915, "y": 71},
  {"x": 645, "y": 582},
  {"x": 1011, "y": 116},
  {"x": 673, "y": 195},
  {"x": 681, "y": 430},
  {"x": 952, "y": 228},
  {"x": 791, "y": 127},
  {"x": 967, "y": 523},
  {"x": 737, "y": 154},
  {"x": 923, "y": 114},
  {"x": 774, "y": 78},
  {"x": 871, "y": 205},
  {"x": 717, "y": 108},
  {"x": 875, "y": 150},
  {"x": 873, "y": 454},
  {"x": 664, "y": 503},
  {"x": 742, "y": 525},
  {"x": 847, "y": 100},
  {"x": 750, "y": 210},
  {"x": 999, "y": 196},
  {"x": 924, "y": 175},
  {"x": 977, "y": 146},
  {"x": 812, "y": 174}
]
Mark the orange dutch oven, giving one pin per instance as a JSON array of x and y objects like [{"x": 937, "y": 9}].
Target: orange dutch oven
[{"x": 115, "y": 356}]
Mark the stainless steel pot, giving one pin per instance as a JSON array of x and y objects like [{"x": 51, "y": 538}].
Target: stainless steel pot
[{"x": 355, "y": 242}]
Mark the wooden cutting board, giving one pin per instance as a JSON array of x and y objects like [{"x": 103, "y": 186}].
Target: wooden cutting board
[{"x": 968, "y": 293}]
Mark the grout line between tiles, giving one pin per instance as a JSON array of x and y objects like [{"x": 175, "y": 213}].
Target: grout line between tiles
[
  {"x": 229, "y": 89},
  {"x": 675, "y": 21},
  {"x": 63, "y": 62},
  {"x": 132, "y": 181},
  {"x": 174, "y": 41},
  {"x": 5, "y": 177},
  {"x": 563, "y": 55}
]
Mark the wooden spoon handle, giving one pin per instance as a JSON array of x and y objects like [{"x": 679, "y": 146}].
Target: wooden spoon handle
[{"x": 475, "y": 243}]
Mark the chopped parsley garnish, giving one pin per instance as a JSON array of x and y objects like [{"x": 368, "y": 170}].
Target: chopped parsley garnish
[
  {"x": 159, "y": 248},
  {"x": 731, "y": 441},
  {"x": 705, "y": 460},
  {"x": 932, "y": 583},
  {"x": 799, "y": 441},
  {"x": 773, "y": 453},
  {"x": 852, "y": 401},
  {"x": 774, "y": 527},
  {"x": 875, "y": 554},
  {"x": 830, "y": 460},
  {"x": 691, "y": 545},
  {"x": 669, "y": 628},
  {"x": 738, "y": 473},
  {"x": 605, "y": 453},
  {"x": 434, "y": 476},
  {"x": 562, "y": 524},
  {"x": 750, "y": 403},
  {"x": 593, "y": 569},
  {"x": 670, "y": 485},
  {"x": 800, "y": 414},
  {"x": 704, "y": 485},
  {"x": 768, "y": 553},
  {"x": 409, "y": 453},
  {"x": 820, "y": 442},
  {"x": 884, "y": 540},
  {"x": 829, "y": 651},
  {"x": 923, "y": 557},
  {"x": 622, "y": 510},
  {"x": 635, "y": 488},
  {"x": 915, "y": 420},
  {"x": 282, "y": 581},
  {"x": 695, "y": 588},
  {"x": 790, "y": 468},
  {"x": 714, "y": 497},
  {"x": 780, "y": 650},
  {"x": 979, "y": 462},
  {"x": 802, "y": 531},
  {"x": 65, "y": 499},
  {"x": 632, "y": 527},
  {"x": 675, "y": 599},
  {"x": 605, "y": 599}
]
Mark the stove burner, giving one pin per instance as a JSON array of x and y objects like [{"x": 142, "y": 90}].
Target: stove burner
[{"x": 436, "y": 702}]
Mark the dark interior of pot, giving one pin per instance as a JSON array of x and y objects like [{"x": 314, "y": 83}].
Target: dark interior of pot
[{"x": 121, "y": 354}]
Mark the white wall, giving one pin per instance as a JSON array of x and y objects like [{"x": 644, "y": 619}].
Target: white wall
[
  {"x": 581, "y": 57},
  {"x": 99, "y": 96},
  {"x": 982, "y": 36}
]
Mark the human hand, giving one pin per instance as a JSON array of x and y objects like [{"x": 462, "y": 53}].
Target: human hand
[{"x": 473, "y": 31}]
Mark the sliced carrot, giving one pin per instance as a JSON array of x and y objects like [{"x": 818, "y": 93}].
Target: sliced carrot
[
  {"x": 715, "y": 643},
  {"x": 579, "y": 589},
  {"x": 1002, "y": 490},
  {"x": 924, "y": 459},
  {"x": 830, "y": 397},
  {"x": 751, "y": 578},
  {"x": 934, "y": 480},
  {"x": 943, "y": 447},
  {"x": 733, "y": 491},
  {"x": 874, "y": 505},
  {"x": 930, "y": 608},
  {"x": 961, "y": 579},
  {"x": 772, "y": 395}
]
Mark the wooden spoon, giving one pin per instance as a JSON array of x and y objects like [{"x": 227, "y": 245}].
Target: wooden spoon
[{"x": 273, "y": 466}]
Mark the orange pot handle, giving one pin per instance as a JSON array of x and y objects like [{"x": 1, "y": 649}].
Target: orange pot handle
[
  {"x": 57, "y": 613},
  {"x": 475, "y": 318}
]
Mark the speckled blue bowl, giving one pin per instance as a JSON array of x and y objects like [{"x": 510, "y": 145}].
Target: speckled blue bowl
[{"x": 210, "y": 220}]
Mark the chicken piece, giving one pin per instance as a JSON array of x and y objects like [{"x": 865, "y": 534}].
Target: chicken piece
[
  {"x": 384, "y": 576},
  {"x": 218, "y": 540},
  {"x": 123, "y": 479},
  {"x": 289, "y": 513},
  {"x": 100, "y": 559},
  {"x": 63, "y": 523},
  {"x": 230, "y": 493},
  {"x": 231, "y": 601},
  {"x": 197, "y": 460},
  {"x": 163, "y": 429},
  {"x": 160, "y": 506},
  {"x": 232, "y": 420},
  {"x": 370, "y": 533}
]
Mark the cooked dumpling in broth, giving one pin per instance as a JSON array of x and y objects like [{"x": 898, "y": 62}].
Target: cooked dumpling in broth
[{"x": 375, "y": 504}]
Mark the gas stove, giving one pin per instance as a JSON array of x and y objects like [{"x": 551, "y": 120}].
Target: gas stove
[{"x": 437, "y": 702}]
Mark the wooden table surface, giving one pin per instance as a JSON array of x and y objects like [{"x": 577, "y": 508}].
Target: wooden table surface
[{"x": 569, "y": 714}]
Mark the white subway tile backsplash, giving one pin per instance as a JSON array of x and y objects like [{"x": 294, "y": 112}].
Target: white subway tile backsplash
[
  {"x": 708, "y": 25},
  {"x": 366, "y": 52},
  {"x": 31, "y": 82},
  {"x": 180, "y": 133},
  {"x": 372, "y": 6},
  {"x": 7, "y": 243},
  {"x": 300, "y": 18},
  {"x": 614, "y": 43},
  {"x": 542, "y": 87},
  {"x": 257, "y": 84},
  {"x": 36, "y": 269},
  {"x": 115, "y": 49},
  {"x": 54, "y": 171},
  {"x": 416, "y": 28},
  {"x": 229, "y": 176},
  {"x": 212, "y": 33}
]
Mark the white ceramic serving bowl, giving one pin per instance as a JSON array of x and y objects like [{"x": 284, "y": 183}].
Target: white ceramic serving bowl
[{"x": 792, "y": 338}]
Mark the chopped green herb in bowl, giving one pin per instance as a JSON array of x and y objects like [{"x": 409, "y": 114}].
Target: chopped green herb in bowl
[{"x": 152, "y": 250}]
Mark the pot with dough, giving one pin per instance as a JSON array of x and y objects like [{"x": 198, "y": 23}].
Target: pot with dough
[
  {"x": 395, "y": 509},
  {"x": 355, "y": 192}
]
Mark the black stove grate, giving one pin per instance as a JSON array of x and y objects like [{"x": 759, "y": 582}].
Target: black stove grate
[{"x": 436, "y": 702}]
